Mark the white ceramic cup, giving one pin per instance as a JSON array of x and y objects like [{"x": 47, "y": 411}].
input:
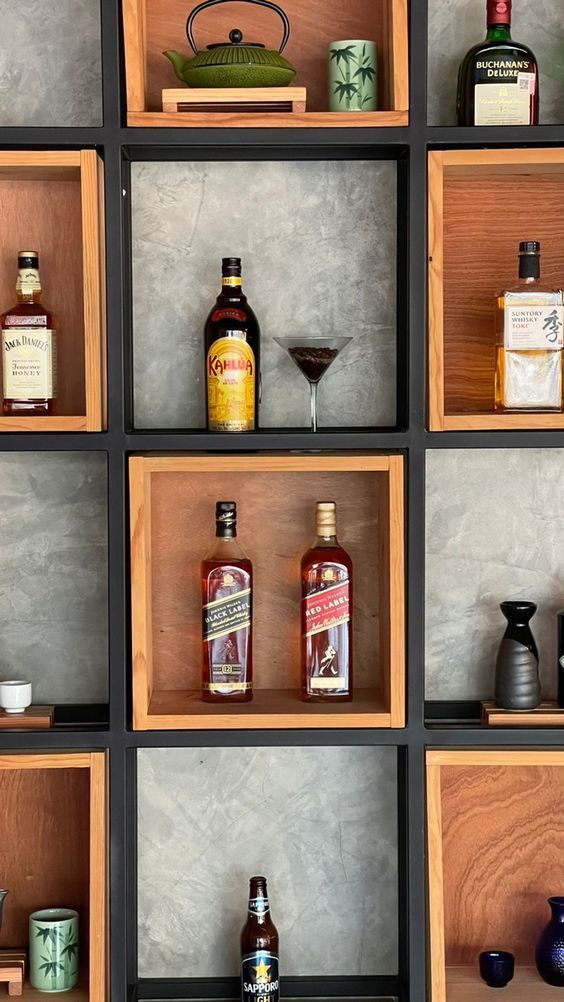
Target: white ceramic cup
[{"x": 15, "y": 696}]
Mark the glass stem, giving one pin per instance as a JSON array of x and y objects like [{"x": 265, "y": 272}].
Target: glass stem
[{"x": 313, "y": 399}]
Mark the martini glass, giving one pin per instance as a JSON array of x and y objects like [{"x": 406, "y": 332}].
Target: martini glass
[{"x": 313, "y": 355}]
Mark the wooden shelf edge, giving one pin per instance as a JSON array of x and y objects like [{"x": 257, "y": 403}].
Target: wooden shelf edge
[
  {"x": 265, "y": 722},
  {"x": 309, "y": 119},
  {"x": 504, "y": 758},
  {"x": 270, "y": 710},
  {"x": 263, "y": 461},
  {"x": 464, "y": 984},
  {"x": 45, "y": 424},
  {"x": 500, "y": 422},
  {"x": 45, "y": 760}
]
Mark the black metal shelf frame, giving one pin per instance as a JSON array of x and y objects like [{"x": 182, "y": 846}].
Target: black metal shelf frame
[{"x": 409, "y": 146}]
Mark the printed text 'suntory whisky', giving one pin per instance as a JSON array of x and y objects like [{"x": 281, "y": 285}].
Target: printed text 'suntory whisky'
[
  {"x": 529, "y": 340},
  {"x": 232, "y": 343},
  {"x": 227, "y": 582},
  {"x": 327, "y": 647},
  {"x": 498, "y": 80},
  {"x": 29, "y": 347}
]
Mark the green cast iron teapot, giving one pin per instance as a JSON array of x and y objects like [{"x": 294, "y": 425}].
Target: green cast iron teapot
[{"x": 234, "y": 63}]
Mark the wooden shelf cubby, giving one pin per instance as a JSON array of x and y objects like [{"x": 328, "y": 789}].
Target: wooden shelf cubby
[
  {"x": 53, "y": 202},
  {"x": 151, "y": 26},
  {"x": 53, "y": 849},
  {"x": 172, "y": 507},
  {"x": 470, "y": 261},
  {"x": 495, "y": 824}
]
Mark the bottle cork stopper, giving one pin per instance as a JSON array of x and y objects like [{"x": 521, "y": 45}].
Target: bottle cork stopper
[{"x": 326, "y": 514}]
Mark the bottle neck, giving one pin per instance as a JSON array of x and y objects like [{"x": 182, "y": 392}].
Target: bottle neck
[
  {"x": 232, "y": 286},
  {"x": 557, "y": 908},
  {"x": 29, "y": 295},
  {"x": 28, "y": 285},
  {"x": 498, "y": 20},
  {"x": 326, "y": 536},
  {"x": 223, "y": 531},
  {"x": 498, "y": 33},
  {"x": 259, "y": 906},
  {"x": 529, "y": 268}
]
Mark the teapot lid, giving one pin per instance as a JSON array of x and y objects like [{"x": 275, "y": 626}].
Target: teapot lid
[{"x": 235, "y": 38}]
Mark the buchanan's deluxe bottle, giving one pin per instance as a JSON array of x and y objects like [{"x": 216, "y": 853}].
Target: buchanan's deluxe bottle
[
  {"x": 227, "y": 582},
  {"x": 498, "y": 80},
  {"x": 29, "y": 346},
  {"x": 529, "y": 340},
  {"x": 232, "y": 343},
  {"x": 327, "y": 645},
  {"x": 260, "y": 980}
]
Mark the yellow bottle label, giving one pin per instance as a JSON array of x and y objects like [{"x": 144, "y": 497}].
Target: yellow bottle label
[
  {"x": 29, "y": 362},
  {"x": 231, "y": 372}
]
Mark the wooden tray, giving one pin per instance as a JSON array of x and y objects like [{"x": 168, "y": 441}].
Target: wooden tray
[
  {"x": 235, "y": 99},
  {"x": 35, "y": 717},
  {"x": 546, "y": 715},
  {"x": 12, "y": 970}
]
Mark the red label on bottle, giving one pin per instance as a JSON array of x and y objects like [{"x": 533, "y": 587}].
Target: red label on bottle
[
  {"x": 326, "y": 608},
  {"x": 229, "y": 314},
  {"x": 499, "y": 12}
]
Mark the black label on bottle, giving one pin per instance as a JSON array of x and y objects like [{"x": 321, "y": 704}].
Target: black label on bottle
[
  {"x": 259, "y": 977},
  {"x": 227, "y": 615}
]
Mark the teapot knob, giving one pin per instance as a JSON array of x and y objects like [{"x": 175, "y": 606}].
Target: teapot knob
[{"x": 236, "y": 36}]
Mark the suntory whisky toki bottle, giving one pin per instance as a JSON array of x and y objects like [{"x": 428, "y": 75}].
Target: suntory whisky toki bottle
[
  {"x": 327, "y": 646},
  {"x": 232, "y": 344},
  {"x": 227, "y": 583},
  {"x": 260, "y": 980},
  {"x": 29, "y": 347},
  {"x": 529, "y": 340}
]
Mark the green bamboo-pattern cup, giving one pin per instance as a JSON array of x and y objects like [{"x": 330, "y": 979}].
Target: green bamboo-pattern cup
[
  {"x": 53, "y": 949},
  {"x": 353, "y": 75}
]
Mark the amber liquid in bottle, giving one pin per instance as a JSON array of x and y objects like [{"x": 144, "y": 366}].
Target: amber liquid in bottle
[
  {"x": 29, "y": 353},
  {"x": 327, "y": 644},
  {"x": 227, "y": 582},
  {"x": 260, "y": 980}
]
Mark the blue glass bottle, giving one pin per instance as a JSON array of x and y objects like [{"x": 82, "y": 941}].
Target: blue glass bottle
[{"x": 550, "y": 947}]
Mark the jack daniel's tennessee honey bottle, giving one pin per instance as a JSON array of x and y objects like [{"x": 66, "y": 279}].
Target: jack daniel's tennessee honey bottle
[{"x": 232, "y": 343}]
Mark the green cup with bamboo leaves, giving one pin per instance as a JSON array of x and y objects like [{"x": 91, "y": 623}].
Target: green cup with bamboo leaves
[
  {"x": 53, "y": 949},
  {"x": 353, "y": 75}
]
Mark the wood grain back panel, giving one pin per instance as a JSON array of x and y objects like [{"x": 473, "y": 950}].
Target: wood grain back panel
[
  {"x": 44, "y": 847},
  {"x": 503, "y": 853},
  {"x": 314, "y": 24},
  {"x": 481, "y": 259},
  {"x": 46, "y": 215},
  {"x": 276, "y": 526}
]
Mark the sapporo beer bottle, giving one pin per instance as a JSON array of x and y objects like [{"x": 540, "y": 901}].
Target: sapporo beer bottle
[{"x": 260, "y": 980}]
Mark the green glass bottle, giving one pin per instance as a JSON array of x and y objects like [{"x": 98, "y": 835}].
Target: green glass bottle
[{"x": 498, "y": 80}]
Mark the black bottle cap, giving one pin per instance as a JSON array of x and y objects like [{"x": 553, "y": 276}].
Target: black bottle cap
[
  {"x": 226, "y": 511},
  {"x": 529, "y": 247},
  {"x": 231, "y": 266},
  {"x": 28, "y": 259}
]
